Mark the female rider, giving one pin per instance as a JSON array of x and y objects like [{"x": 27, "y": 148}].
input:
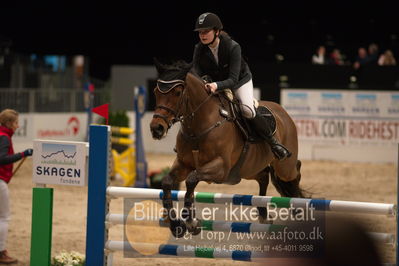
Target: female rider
[{"x": 219, "y": 57}]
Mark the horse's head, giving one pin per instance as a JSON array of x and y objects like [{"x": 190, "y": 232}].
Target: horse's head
[{"x": 168, "y": 96}]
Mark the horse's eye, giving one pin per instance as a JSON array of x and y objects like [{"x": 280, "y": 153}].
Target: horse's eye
[{"x": 177, "y": 93}]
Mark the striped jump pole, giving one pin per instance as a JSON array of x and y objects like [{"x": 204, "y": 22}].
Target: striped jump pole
[
  {"x": 207, "y": 225},
  {"x": 188, "y": 251},
  {"x": 397, "y": 218},
  {"x": 260, "y": 201},
  {"x": 122, "y": 130},
  {"x": 234, "y": 227}
]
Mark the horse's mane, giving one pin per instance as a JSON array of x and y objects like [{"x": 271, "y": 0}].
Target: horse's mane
[{"x": 177, "y": 70}]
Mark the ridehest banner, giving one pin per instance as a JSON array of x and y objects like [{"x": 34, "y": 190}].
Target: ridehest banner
[
  {"x": 59, "y": 162},
  {"x": 342, "y": 117}
]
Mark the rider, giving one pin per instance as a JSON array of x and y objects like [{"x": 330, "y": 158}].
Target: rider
[{"x": 219, "y": 57}]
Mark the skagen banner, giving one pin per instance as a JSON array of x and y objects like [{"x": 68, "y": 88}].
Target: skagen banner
[
  {"x": 339, "y": 118},
  {"x": 59, "y": 162}
]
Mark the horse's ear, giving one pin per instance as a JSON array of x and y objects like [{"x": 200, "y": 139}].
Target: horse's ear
[{"x": 160, "y": 68}]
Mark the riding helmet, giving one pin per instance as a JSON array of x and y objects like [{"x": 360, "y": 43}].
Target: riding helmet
[{"x": 208, "y": 21}]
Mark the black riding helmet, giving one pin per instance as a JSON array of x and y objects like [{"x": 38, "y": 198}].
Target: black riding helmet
[{"x": 208, "y": 21}]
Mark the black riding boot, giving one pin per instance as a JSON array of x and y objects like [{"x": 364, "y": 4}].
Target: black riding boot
[{"x": 263, "y": 130}]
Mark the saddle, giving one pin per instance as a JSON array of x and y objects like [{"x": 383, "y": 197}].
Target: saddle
[
  {"x": 232, "y": 112},
  {"x": 242, "y": 123}
]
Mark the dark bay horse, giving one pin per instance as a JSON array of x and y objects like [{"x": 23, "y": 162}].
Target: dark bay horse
[{"x": 208, "y": 145}]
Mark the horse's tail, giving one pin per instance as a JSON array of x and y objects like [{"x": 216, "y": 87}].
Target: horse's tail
[{"x": 290, "y": 188}]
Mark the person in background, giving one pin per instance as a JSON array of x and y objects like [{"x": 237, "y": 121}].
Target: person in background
[
  {"x": 8, "y": 125},
  {"x": 218, "y": 56},
  {"x": 387, "y": 59},
  {"x": 319, "y": 58},
  {"x": 362, "y": 58},
  {"x": 373, "y": 54},
  {"x": 336, "y": 57}
]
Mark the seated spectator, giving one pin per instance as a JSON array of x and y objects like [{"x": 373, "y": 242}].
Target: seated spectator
[
  {"x": 319, "y": 58},
  {"x": 373, "y": 54},
  {"x": 336, "y": 57},
  {"x": 361, "y": 59},
  {"x": 387, "y": 59}
]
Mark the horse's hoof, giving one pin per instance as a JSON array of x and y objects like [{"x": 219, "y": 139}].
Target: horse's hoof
[
  {"x": 195, "y": 230},
  {"x": 178, "y": 228},
  {"x": 194, "y": 226}
]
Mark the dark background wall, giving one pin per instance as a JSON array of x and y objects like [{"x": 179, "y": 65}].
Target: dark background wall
[
  {"x": 132, "y": 33},
  {"x": 277, "y": 37}
]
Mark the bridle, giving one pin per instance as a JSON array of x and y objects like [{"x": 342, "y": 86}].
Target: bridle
[
  {"x": 165, "y": 87},
  {"x": 194, "y": 139}
]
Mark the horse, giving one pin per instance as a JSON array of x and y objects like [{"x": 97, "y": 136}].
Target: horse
[{"x": 209, "y": 145}]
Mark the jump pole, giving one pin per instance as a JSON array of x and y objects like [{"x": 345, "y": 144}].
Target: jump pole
[
  {"x": 259, "y": 201},
  {"x": 397, "y": 204},
  {"x": 42, "y": 226},
  {"x": 141, "y": 163},
  {"x": 97, "y": 206}
]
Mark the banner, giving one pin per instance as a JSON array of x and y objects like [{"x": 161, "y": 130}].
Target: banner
[{"x": 342, "y": 117}]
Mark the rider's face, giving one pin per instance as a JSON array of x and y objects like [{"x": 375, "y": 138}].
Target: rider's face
[
  {"x": 14, "y": 125},
  {"x": 206, "y": 36}
]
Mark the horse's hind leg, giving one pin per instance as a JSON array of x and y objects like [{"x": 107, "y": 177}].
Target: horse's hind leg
[
  {"x": 263, "y": 181},
  {"x": 289, "y": 188}
]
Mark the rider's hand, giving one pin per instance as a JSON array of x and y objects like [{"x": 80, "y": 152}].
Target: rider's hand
[
  {"x": 28, "y": 152},
  {"x": 211, "y": 87}
]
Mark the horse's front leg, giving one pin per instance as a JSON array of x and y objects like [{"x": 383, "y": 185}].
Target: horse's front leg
[
  {"x": 213, "y": 171},
  {"x": 176, "y": 225},
  {"x": 188, "y": 214}
]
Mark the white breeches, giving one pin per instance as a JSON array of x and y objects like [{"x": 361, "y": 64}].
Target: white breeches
[{"x": 246, "y": 96}]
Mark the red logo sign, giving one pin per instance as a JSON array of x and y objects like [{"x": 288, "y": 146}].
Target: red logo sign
[{"x": 71, "y": 129}]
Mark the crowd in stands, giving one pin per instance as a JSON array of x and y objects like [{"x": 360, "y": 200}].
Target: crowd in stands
[{"x": 365, "y": 56}]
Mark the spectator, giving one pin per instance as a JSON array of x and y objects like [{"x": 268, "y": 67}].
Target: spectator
[
  {"x": 336, "y": 57},
  {"x": 373, "y": 54},
  {"x": 387, "y": 59},
  {"x": 319, "y": 58},
  {"x": 362, "y": 58},
  {"x": 8, "y": 125}
]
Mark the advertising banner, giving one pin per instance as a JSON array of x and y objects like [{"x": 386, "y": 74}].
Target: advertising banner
[
  {"x": 59, "y": 162},
  {"x": 343, "y": 118}
]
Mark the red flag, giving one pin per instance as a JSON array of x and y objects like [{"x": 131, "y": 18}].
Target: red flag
[{"x": 102, "y": 110}]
